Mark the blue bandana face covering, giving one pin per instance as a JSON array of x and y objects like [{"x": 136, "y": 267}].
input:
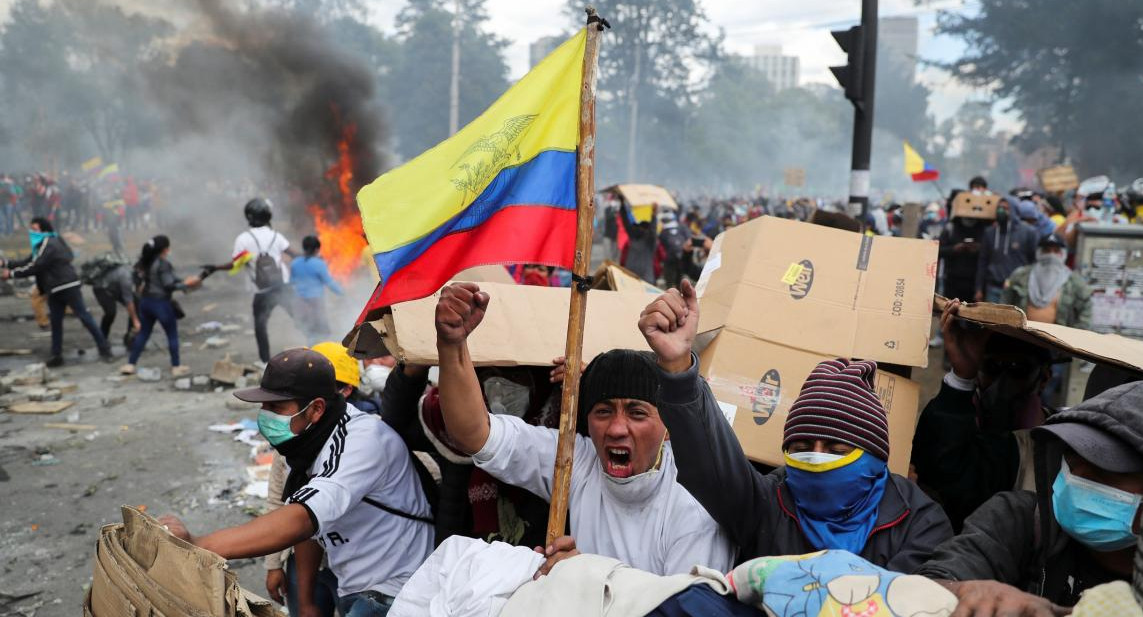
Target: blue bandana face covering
[
  {"x": 837, "y": 498},
  {"x": 1096, "y": 515},
  {"x": 36, "y": 237}
]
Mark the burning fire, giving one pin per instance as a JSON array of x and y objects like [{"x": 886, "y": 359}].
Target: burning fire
[{"x": 338, "y": 223}]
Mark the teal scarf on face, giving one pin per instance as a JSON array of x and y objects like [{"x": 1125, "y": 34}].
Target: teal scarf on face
[{"x": 36, "y": 237}]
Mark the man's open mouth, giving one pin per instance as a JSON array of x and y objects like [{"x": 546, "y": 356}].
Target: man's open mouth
[{"x": 617, "y": 462}]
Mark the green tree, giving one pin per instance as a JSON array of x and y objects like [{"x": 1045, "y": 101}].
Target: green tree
[
  {"x": 1072, "y": 70},
  {"x": 418, "y": 87},
  {"x": 71, "y": 78},
  {"x": 647, "y": 67}
]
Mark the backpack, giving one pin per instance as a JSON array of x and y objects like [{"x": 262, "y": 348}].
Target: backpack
[
  {"x": 93, "y": 270},
  {"x": 267, "y": 272}
]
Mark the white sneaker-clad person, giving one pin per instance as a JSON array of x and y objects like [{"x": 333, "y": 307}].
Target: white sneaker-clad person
[
  {"x": 625, "y": 502},
  {"x": 352, "y": 491}
]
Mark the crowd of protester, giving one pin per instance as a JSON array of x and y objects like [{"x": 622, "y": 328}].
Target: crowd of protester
[{"x": 1013, "y": 506}]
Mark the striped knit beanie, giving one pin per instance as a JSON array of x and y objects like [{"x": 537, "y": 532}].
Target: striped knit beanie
[{"x": 838, "y": 402}]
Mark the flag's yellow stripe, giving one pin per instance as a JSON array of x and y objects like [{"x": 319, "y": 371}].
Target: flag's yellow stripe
[
  {"x": 411, "y": 201},
  {"x": 914, "y": 164}
]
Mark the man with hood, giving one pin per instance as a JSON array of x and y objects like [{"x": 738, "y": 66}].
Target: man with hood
[
  {"x": 624, "y": 501},
  {"x": 835, "y": 492},
  {"x": 1031, "y": 552},
  {"x": 1006, "y": 245},
  {"x": 972, "y": 440},
  {"x": 50, "y": 263},
  {"x": 351, "y": 490}
]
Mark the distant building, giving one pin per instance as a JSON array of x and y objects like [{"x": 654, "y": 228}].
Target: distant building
[
  {"x": 781, "y": 71},
  {"x": 897, "y": 42},
  {"x": 541, "y": 47}
]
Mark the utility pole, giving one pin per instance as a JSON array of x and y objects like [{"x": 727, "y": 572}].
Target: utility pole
[
  {"x": 857, "y": 78},
  {"x": 454, "y": 83},
  {"x": 633, "y": 108}
]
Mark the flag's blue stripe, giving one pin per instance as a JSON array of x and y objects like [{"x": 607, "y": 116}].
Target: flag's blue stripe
[{"x": 547, "y": 180}]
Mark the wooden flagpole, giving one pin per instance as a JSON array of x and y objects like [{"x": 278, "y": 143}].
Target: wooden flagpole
[{"x": 585, "y": 216}]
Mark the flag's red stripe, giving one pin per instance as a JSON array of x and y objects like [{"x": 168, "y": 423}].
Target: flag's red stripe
[
  {"x": 532, "y": 234},
  {"x": 927, "y": 175}
]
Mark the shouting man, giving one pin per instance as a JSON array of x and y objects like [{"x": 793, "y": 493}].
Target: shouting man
[{"x": 624, "y": 502}]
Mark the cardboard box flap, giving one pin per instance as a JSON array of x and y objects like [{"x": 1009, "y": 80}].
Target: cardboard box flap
[
  {"x": 485, "y": 274},
  {"x": 524, "y": 326},
  {"x": 611, "y": 276},
  {"x": 823, "y": 290},
  {"x": 1100, "y": 348},
  {"x": 644, "y": 195}
]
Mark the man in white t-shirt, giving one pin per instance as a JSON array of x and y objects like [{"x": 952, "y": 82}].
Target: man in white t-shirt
[
  {"x": 625, "y": 501},
  {"x": 269, "y": 284},
  {"x": 352, "y": 490}
]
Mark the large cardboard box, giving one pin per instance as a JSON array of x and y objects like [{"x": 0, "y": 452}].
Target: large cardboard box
[
  {"x": 778, "y": 297},
  {"x": 822, "y": 290},
  {"x": 756, "y": 382},
  {"x": 523, "y": 326},
  {"x": 975, "y": 206}
]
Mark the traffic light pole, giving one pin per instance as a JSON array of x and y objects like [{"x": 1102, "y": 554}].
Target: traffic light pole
[{"x": 863, "y": 112}]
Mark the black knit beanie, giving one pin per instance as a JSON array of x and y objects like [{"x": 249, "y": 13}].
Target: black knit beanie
[{"x": 619, "y": 373}]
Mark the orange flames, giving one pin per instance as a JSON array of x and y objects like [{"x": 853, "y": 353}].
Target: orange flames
[{"x": 338, "y": 223}]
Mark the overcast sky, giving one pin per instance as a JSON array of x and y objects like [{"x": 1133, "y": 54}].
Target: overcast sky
[{"x": 802, "y": 29}]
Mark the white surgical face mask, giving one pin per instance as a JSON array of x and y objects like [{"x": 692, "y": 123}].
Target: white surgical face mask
[
  {"x": 375, "y": 376},
  {"x": 815, "y": 458}
]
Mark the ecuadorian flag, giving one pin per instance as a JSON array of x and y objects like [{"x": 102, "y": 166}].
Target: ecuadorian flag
[
  {"x": 500, "y": 191},
  {"x": 917, "y": 168}
]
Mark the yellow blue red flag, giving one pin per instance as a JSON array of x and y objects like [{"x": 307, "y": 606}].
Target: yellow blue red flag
[
  {"x": 499, "y": 191},
  {"x": 917, "y": 168}
]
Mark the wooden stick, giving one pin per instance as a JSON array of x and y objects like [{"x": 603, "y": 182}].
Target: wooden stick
[{"x": 585, "y": 208}]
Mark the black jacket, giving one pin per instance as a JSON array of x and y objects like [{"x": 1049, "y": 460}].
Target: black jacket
[
  {"x": 50, "y": 263},
  {"x": 757, "y": 510},
  {"x": 960, "y": 265},
  {"x": 959, "y": 461},
  {"x": 1014, "y": 538},
  {"x": 1004, "y": 250},
  {"x": 160, "y": 281}
]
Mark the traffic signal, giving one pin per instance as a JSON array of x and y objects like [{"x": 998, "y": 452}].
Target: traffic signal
[{"x": 850, "y": 76}]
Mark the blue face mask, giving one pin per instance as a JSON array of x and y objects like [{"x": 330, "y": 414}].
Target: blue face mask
[
  {"x": 36, "y": 237},
  {"x": 837, "y": 498},
  {"x": 1095, "y": 515},
  {"x": 276, "y": 428}
]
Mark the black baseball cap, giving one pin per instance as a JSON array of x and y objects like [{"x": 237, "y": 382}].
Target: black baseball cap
[
  {"x": 294, "y": 374},
  {"x": 1053, "y": 240}
]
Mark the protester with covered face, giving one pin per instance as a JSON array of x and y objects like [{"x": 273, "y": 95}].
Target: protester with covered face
[
  {"x": 1030, "y": 552},
  {"x": 835, "y": 492},
  {"x": 959, "y": 250},
  {"x": 50, "y": 263},
  {"x": 1005, "y": 245},
  {"x": 624, "y": 501},
  {"x": 351, "y": 488},
  {"x": 971, "y": 440},
  {"x": 1048, "y": 291}
]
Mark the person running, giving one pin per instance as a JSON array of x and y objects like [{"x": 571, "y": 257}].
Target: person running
[
  {"x": 50, "y": 262},
  {"x": 309, "y": 276},
  {"x": 157, "y": 283},
  {"x": 259, "y": 250}
]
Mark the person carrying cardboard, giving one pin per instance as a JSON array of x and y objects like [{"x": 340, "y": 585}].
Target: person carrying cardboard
[
  {"x": 972, "y": 438},
  {"x": 1031, "y": 552},
  {"x": 835, "y": 492},
  {"x": 352, "y": 491},
  {"x": 624, "y": 501}
]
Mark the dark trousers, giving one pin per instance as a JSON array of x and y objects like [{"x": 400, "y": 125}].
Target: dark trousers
[
  {"x": 162, "y": 311},
  {"x": 109, "y": 303},
  {"x": 264, "y": 303},
  {"x": 58, "y": 303},
  {"x": 325, "y": 593}
]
